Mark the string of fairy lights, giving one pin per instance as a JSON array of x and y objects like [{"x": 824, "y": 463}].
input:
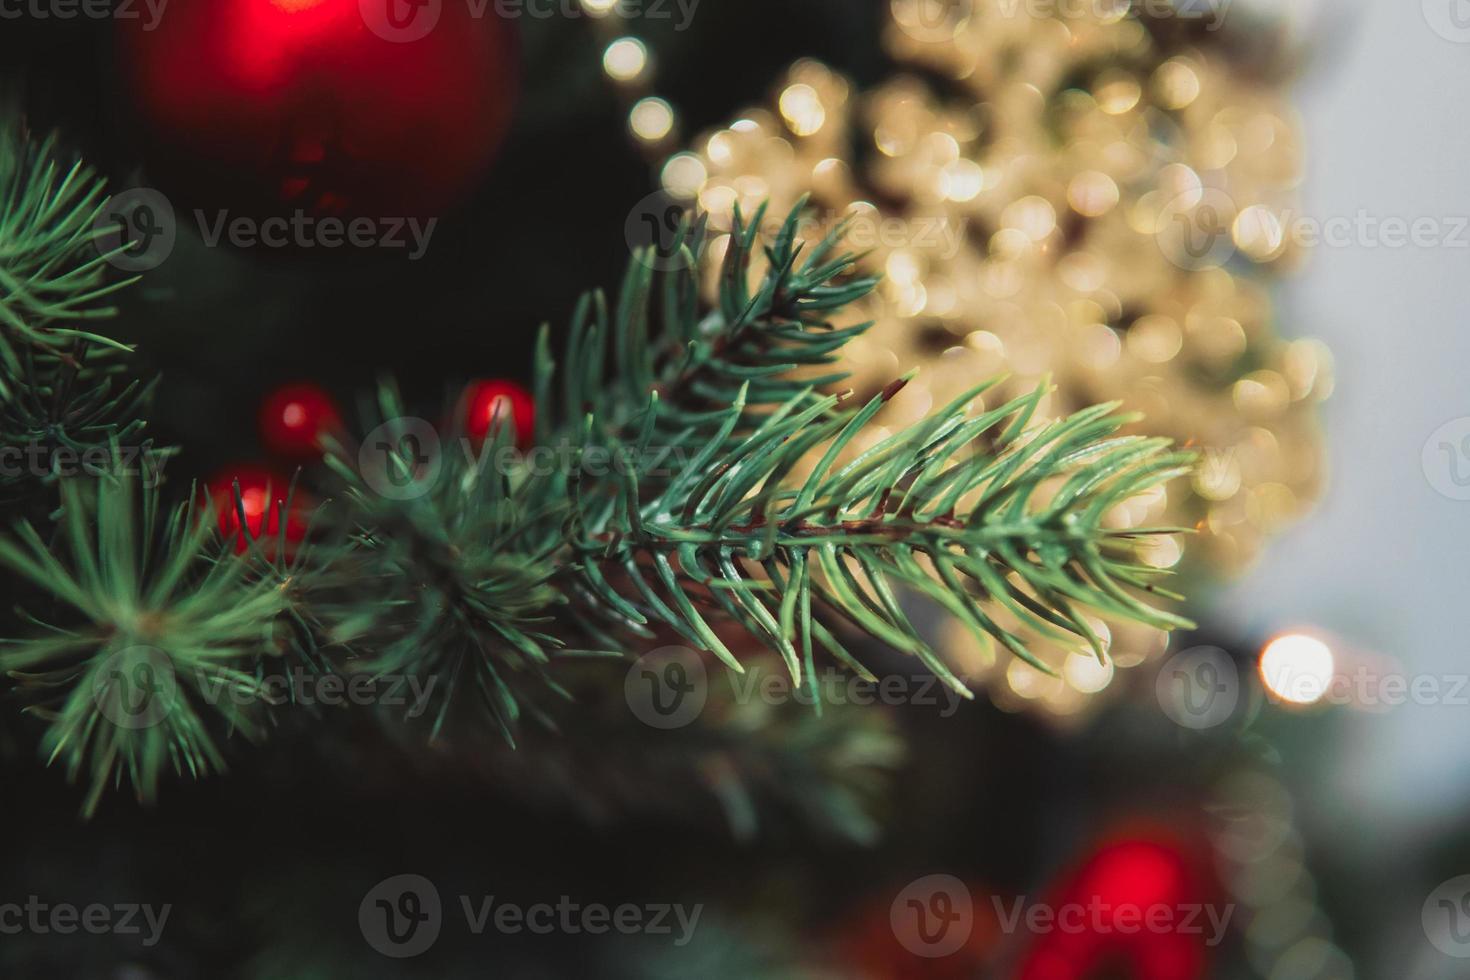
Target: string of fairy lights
[
  {"x": 627, "y": 62},
  {"x": 1087, "y": 153},
  {"x": 1090, "y": 199}
]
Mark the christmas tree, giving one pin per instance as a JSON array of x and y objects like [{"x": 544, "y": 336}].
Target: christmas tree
[{"x": 625, "y": 647}]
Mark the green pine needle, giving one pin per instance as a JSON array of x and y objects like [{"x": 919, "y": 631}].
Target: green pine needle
[
  {"x": 684, "y": 481},
  {"x": 52, "y": 273},
  {"x": 150, "y": 667}
]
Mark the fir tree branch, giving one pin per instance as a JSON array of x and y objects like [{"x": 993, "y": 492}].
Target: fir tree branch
[
  {"x": 150, "y": 668},
  {"x": 59, "y": 391},
  {"x": 730, "y": 498},
  {"x": 701, "y": 516},
  {"x": 52, "y": 272}
]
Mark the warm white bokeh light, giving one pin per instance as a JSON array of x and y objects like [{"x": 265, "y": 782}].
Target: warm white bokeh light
[
  {"x": 1297, "y": 668},
  {"x": 652, "y": 119},
  {"x": 625, "y": 59},
  {"x": 1086, "y": 673}
]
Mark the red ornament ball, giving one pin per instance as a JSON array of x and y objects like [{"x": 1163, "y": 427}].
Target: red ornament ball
[
  {"x": 262, "y": 497},
  {"x": 489, "y": 401},
  {"x": 364, "y": 108},
  {"x": 295, "y": 418},
  {"x": 1137, "y": 904}
]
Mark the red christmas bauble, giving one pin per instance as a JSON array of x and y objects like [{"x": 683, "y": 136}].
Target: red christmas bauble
[
  {"x": 262, "y": 497},
  {"x": 489, "y": 401},
  {"x": 295, "y": 418},
  {"x": 373, "y": 108},
  {"x": 1138, "y": 909}
]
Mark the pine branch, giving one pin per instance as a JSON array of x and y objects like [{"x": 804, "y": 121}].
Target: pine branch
[
  {"x": 52, "y": 272},
  {"x": 678, "y": 503},
  {"x": 698, "y": 364},
  {"x": 913, "y": 511},
  {"x": 700, "y": 485},
  {"x": 60, "y": 395},
  {"x": 151, "y": 667}
]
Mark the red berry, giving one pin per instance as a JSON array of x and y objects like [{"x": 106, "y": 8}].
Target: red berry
[
  {"x": 262, "y": 497},
  {"x": 489, "y": 401},
  {"x": 294, "y": 418}
]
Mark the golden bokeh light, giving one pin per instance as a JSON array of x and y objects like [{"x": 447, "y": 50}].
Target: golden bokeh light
[{"x": 1297, "y": 668}]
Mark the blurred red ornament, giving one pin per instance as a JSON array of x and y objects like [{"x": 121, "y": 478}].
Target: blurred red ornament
[
  {"x": 263, "y": 494},
  {"x": 1139, "y": 908},
  {"x": 294, "y": 418},
  {"x": 372, "y": 108},
  {"x": 488, "y": 401}
]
